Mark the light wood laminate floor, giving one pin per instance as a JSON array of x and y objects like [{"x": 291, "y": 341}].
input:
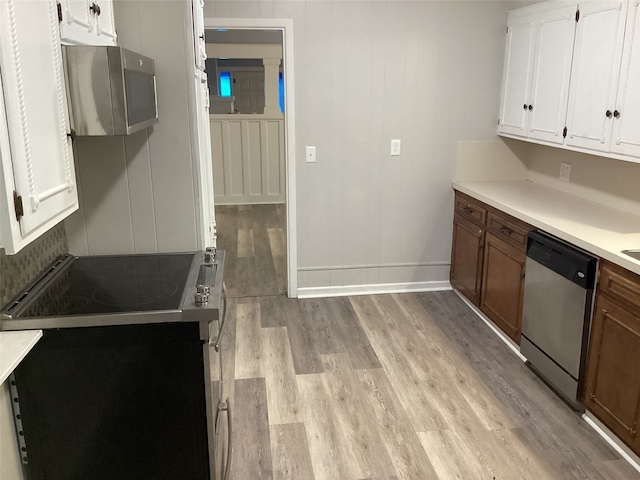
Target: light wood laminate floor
[
  {"x": 255, "y": 243},
  {"x": 408, "y": 386}
]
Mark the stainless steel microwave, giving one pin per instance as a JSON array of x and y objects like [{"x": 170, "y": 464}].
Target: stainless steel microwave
[{"x": 111, "y": 90}]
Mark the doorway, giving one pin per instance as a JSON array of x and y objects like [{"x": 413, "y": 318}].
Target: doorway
[{"x": 254, "y": 197}]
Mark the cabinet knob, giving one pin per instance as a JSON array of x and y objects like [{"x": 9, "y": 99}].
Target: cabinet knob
[
  {"x": 95, "y": 8},
  {"x": 608, "y": 113},
  {"x": 616, "y": 114},
  {"x": 530, "y": 107},
  {"x": 524, "y": 106}
]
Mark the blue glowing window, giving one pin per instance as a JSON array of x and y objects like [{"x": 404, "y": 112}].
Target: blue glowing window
[
  {"x": 225, "y": 84},
  {"x": 281, "y": 92}
]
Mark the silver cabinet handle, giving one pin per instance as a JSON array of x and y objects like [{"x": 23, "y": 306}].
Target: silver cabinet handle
[
  {"x": 223, "y": 322},
  {"x": 227, "y": 469}
]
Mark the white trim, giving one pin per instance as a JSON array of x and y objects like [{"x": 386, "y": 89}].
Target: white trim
[
  {"x": 597, "y": 153},
  {"x": 624, "y": 451},
  {"x": 378, "y": 265},
  {"x": 349, "y": 290},
  {"x": 285, "y": 25},
  {"x": 507, "y": 341}
]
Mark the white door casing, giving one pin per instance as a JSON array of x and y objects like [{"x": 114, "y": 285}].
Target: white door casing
[
  {"x": 286, "y": 27},
  {"x": 595, "y": 73},
  {"x": 41, "y": 157},
  {"x": 626, "y": 122}
]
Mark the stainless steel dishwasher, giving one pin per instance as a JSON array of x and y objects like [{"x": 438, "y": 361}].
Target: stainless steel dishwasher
[{"x": 558, "y": 293}]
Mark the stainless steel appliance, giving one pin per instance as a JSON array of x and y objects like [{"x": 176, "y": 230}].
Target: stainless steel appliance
[
  {"x": 558, "y": 293},
  {"x": 111, "y": 90},
  {"x": 121, "y": 385}
]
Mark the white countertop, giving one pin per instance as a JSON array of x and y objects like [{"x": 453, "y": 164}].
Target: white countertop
[
  {"x": 14, "y": 346},
  {"x": 596, "y": 228}
]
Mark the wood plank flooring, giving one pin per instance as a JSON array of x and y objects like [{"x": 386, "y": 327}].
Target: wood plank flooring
[
  {"x": 254, "y": 240},
  {"x": 410, "y": 386}
]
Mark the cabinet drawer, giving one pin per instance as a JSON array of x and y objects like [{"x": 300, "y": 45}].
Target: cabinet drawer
[
  {"x": 470, "y": 208},
  {"x": 619, "y": 284},
  {"x": 508, "y": 228}
]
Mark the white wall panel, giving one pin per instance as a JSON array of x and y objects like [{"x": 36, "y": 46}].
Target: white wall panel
[
  {"x": 255, "y": 148},
  {"x": 139, "y": 192},
  {"x": 105, "y": 195},
  {"x": 248, "y": 158},
  {"x": 426, "y": 72}
]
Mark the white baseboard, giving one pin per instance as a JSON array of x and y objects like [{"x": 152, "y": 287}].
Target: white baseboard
[
  {"x": 617, "y": 444},
  {"x": 507, "y": 341},
  {"x": 347, "y": 290}
]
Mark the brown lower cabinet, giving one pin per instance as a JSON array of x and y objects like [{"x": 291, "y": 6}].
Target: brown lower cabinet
[
  {"x": 466, "y": 258},
  {"x": 613, "y": 372},
  {"x": 503, "y": 285},
  {"x": 488, "y": 257}
]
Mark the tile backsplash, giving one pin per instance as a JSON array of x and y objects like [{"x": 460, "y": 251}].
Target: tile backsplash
[{"x": 16, "y": 271}]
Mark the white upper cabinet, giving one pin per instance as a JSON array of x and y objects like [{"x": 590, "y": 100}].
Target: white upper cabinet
[
  {"x": 595, "y": 74},
  {"x": 516, "y": 79},
  {"x": 87, "y": 22},
  {"x": 572, "y": 77},
  {"x": 551, "y": 73},
  {"x": 626, "y": 116},
  {"x": 35, "y": 150},
  {"x": 537, "y": 69}
]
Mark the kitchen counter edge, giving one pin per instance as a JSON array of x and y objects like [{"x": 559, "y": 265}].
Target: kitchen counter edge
[
  {"x": 14, "y": 346},
  {"x": 557, "y": 222}
]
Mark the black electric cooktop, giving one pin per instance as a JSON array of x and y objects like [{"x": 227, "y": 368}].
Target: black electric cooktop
[{"x": 115, "y": 284}]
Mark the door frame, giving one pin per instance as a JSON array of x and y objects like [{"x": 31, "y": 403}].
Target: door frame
[{"x": 284, "y": 25}]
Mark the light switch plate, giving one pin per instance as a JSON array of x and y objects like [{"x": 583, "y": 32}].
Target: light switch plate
[
  {"x": 310, "y": 156},
  {"x": 395, "y": 147},
  {"x": 565, "y": 171}
]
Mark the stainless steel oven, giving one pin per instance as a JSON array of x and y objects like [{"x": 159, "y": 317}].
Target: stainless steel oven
[{"x": 121, "y": 384}]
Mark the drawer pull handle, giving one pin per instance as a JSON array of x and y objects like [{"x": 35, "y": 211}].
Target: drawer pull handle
[
  {"x": 467, "y": 209},
  {"x": 506, "y": 231}
]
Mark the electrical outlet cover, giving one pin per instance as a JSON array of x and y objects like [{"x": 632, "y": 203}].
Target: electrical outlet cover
[
  {"x": 565, "y": 171},
  {"x": 396, "y": 145}
]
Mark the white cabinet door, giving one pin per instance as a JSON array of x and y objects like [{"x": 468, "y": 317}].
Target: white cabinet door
[
  {"x": 595, "y": 73},
  {"x": 105, "y": 23},
  {"x": 551, "y": 73},
  {"x": 86, "y": 22},
  {"x": 626, "y": 120},
  {"x": 198, "y": 29},
  {"x": 516, "y": 75},
  {"x": 37, "y": 158}
]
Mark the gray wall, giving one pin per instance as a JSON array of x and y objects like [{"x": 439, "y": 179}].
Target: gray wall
[
  {"x": 426, "y": 72},
  {"x": 138, "y": 193}
]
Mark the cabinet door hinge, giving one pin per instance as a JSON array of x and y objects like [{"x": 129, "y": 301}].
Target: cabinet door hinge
[
  {"x": 59, "y": 12},
  {"x": 578, "y": 15},
  {"x": 17, "y": 205},
  {"x": 498, "y": 121},
  {"x": 564, "y": 132}
]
